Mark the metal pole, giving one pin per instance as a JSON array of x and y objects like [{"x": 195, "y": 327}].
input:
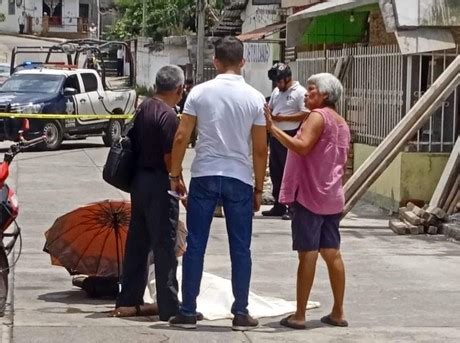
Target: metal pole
[
  {"x": 144, "y": 7},
  {"x": 117, "y": 232},
  {"x": 200, "y": 15},
  {"x": 98, "y": 19}
]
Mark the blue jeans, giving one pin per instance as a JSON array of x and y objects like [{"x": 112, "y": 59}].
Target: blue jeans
[{"x": 236, "y": 197}]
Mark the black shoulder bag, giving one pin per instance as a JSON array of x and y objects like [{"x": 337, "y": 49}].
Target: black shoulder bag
[{"x": 120, "y": 166}]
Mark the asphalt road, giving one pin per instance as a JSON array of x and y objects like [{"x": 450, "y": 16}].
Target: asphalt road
[{"x": 399, "y": 288}]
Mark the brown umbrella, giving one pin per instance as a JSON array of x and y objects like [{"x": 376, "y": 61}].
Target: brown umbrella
[{"x": 91, "y": 239}]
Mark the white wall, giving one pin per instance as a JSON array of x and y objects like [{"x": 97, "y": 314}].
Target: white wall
[
  {"x": 149, "y": 62},
  {"x": 259, "y": 59},
  {"x": 11, "y": 22},
  {"x": 34, "y": 8},
  {"x": 70, "y": 13},
  {"x": 259, "y": 56}
]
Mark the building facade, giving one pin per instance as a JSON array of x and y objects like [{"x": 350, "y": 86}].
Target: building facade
[{"x": 54, "y": 16}]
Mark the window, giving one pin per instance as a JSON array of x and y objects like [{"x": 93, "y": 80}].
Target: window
[
  {"x": 72, "y": 82},
  {"x": 54, "y": 10},
  {"x": 33, "y": 83},
  {"x": 11, "y": 7},
  {"x": 90, "y": 82}
]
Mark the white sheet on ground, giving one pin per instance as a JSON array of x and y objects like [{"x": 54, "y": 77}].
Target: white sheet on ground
[{"x": 216, "y": 298}]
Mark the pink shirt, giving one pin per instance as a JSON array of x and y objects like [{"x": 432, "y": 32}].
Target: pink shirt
[{"x": 315, "y": 180}]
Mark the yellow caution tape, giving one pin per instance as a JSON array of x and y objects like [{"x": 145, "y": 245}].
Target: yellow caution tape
[{"x": 65, "y": 116}]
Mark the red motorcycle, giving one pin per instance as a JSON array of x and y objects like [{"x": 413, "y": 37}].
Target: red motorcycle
[{"x": 9, "y": 209}]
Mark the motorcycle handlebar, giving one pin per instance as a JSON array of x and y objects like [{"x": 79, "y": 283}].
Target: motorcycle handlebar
[
  {"x": 23, "y": 144},
  {"x": 32, "y": 142}
]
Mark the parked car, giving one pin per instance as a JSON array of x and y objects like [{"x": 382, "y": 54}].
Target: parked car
[
  {"x": 63, "y": 90},
  {"x": 4, "y": 72}
]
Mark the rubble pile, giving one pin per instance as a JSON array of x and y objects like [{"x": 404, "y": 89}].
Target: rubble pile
[{"x": 414, "y": 220}]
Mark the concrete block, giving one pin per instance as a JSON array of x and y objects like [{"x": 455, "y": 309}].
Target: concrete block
[
  {"x": 409, "y": 216},
  {"x": 415, "y": 209},
  {"x": 432, "y": 230},
  {"x": 438, "y": 212},
  {"x": 398, "y": 227},
  {"x": 421, "y": 230},
  {"x": 429, "y": 219},
  {"x": 413, "y": 229},
  {"x": 451, "y": 230}
]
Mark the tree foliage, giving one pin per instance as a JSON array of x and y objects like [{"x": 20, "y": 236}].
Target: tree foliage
[{"x": 162, "y": 17}]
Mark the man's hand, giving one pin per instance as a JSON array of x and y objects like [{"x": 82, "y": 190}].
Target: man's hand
[
  {"x": 269, "y": 118},
  {"x": 179, "y": 187},
  {"x": 257, "y": 201}
]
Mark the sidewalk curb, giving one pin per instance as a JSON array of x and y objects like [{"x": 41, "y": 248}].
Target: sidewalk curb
[
  {"x": 8, "y": 321},
  {"x": 48, "y": 39}
]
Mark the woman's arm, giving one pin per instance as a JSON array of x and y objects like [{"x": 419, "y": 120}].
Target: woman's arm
[
  {"x": 299, "y": 116},
  {"x": 312, "y": 129}
]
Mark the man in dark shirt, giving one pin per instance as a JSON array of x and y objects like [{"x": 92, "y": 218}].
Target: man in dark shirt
[{"x": 154, "y": 213}]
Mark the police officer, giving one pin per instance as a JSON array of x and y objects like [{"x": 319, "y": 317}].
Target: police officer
[{"x": 288, "y": 108}]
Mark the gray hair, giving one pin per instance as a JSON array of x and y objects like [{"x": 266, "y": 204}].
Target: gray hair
[
  {"x": 168, "y": 78},
  {"x": 328, "y": 84}
]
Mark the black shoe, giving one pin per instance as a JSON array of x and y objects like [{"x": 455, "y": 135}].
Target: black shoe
[
  {"x": 199, "y": 316},
  {"x": 275, "y": 211},
  {"x": 244, "y": 322},
  {"x": 184, "y": 322}
]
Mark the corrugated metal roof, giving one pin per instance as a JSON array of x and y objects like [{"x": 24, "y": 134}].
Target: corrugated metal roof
[{"x": 262, "y": 32}]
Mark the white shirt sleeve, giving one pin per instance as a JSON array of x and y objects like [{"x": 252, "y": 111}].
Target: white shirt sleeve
[
  {"x": 190, "y": 106},
  {"x": 300, "y": 94},
  {"x": 260, "y": 117}
]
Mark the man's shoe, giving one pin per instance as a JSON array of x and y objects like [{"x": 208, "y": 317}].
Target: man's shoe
[
  {"x": 184, "y": 322},
  {"x": 274, "y": 212},
  {"x": 244, "y": 322}
]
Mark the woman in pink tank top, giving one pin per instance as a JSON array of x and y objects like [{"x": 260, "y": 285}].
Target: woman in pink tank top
[{"x": 312, "y": 186}]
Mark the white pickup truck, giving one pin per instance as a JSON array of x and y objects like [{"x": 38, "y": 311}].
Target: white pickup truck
[{"x": 59, "y": 90}]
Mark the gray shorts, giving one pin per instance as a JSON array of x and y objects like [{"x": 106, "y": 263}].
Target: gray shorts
[{"x": 311, "y": 232}]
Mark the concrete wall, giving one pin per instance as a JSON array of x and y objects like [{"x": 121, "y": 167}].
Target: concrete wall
[
  {"x": 259, "y": 56},
  {"x": 386, "y": 191},
  {"x": 411, "y": 176},
  {"x": 149, "y": 62},
  {"x": 259, "y": 59},
  {"x": 34, "y": 8},
  {"x": 420, "y": 173},
  {"x": 70, "y": 13}
]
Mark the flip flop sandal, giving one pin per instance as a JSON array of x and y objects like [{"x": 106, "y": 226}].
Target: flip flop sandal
[
  {"x": 328, "y": 320},
  {"x": 285, "y": 322}
]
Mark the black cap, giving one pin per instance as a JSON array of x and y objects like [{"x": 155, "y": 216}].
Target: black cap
[{"x": 279, "y": 71}]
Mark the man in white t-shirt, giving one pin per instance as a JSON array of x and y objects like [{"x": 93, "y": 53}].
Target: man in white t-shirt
[
  {"x": 22, "y": 22},
  {"x": 229, "y": 116},
  {"x": 288, "y": 108},
  {"x": 120, "y": 60}
]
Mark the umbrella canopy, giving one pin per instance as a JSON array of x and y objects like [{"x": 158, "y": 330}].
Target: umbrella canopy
[{"x": 91, "y": 239}]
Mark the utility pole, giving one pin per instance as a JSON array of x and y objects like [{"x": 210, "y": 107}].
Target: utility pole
[
  {"x": 201, "y": 17},
  {"x": 98, "y": 5},
  {"x": 144, "y": 9}
]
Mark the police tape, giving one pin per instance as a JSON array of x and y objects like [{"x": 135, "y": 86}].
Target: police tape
[{"x": 64, "y": 116}]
